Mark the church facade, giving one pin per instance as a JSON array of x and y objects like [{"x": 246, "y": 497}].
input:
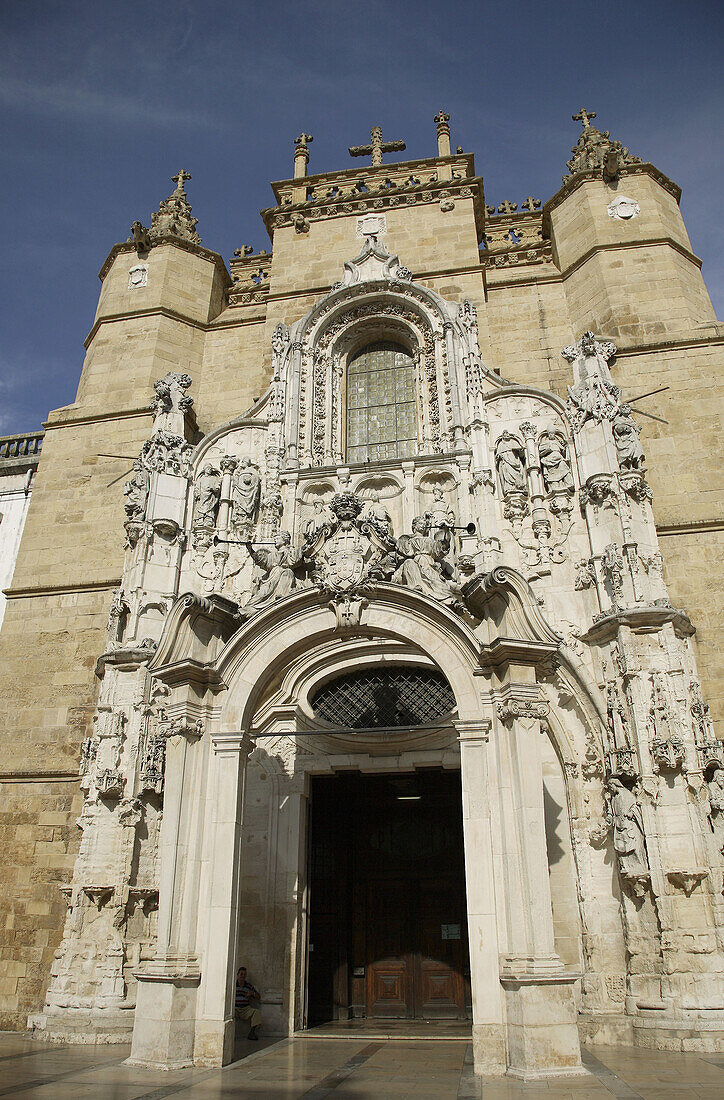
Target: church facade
[{"x": 390, "y": 670}]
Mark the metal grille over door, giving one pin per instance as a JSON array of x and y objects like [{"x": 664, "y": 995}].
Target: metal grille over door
[{"x": 396, "y": 696}]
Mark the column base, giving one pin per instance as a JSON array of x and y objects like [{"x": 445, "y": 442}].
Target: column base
[
  {"x": 165, "y": 1023},
  {"x": 542, "y": 1027},
  {"x": 214, "y": 1045},
  {"x": 489, "y": 1056}
]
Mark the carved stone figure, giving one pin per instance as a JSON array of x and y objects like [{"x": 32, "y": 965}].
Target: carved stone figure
[
  {"x": 323, "y": 520},
  {"x": 625, "y": 818},
  {"x": 510, "y": 464},
  {"x": 626, "y": 437},
  {"x": 716, "y": 802},
  {"x": 376, "y": 515},
  {"x": 593, "y": 395},
  {"x": 245, "y": 493},
  {"x": 207, "y": 491},
  {"x": 281, "y": 564},
  {"x": 136, "y": 492},
  {"x": 555, "y": 465},
  {"x": 421, "y": 567},
  {"x": 167, "y": 453},
  {"x": 440, "y": 514}
]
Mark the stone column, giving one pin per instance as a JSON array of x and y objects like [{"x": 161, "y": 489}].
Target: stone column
[
  {"x": 164, "y": 1022},
  {"x": 442, "y": 122},
  {"x": 219, "y": 920},
  {"x": 301, "y": 159},
  {"x": 541, "y": 1015},
  {"x": 488, "y": 1022}
]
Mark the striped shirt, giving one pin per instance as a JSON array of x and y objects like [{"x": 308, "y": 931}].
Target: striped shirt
[{"x": 245, "y": 993}]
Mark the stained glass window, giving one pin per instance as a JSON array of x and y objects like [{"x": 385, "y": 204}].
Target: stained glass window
[{"x": 381, "y": 407}]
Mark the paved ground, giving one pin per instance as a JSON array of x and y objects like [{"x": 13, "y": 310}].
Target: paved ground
[{"x": 345, "y": 1069}]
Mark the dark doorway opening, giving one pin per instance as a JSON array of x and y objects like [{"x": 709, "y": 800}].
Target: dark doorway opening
[{"x": 387, "y": 913}]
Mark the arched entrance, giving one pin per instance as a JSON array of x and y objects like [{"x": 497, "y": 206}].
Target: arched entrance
[{"x": 239, "y": 884}]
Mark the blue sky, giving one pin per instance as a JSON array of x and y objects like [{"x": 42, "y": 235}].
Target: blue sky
[{"x": 103, "y": 102}]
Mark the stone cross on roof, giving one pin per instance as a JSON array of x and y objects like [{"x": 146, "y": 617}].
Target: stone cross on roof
[
  {"x": 376, "y": 147},
  {"x": 180, "y": 178},
  {"x": 584, "y": 116}
]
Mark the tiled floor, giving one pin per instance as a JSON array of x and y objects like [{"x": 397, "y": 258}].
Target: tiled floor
[{"x": 345, "y": 1069}]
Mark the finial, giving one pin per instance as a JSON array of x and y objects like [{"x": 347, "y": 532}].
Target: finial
[
  {"x": 301, "y": 154},
  {"x": 530, "y": 204},
  {"x": 179, "y": 180},
  {"x": 173, "y": 217},
  {"x": 584, "y": 116},
  {"x": 376, "y": 147},
  {"x": 245, "y": 250},
  {"x": 442, "y": 121}
]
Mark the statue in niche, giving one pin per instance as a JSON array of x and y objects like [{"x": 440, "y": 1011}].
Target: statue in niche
[
  {"x": 716, "y": 802},
  {"x": 282, "y": 563},
  {"x": 375, "y": 514},
  {"x": 625, "y": 818},
  {"x": 423, "y": 566},
  {"x": 510, "y": 464},
  {"x": 626, "y": 437},
  {"x": 136, "y": 492},
  {"x": 441, "y": 514},
  {"x": 322, "y": 520},
  {"x": 555, "y": 465},
  {"x": 245, "y": 494},
  {"x": 207, "y": 491}
]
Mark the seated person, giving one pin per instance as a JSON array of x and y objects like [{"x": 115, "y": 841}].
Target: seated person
[{"x": 245, "y": 992}]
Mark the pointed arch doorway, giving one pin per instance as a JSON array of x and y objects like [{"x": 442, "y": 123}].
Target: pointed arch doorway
[{"x": 387, "y": 911}]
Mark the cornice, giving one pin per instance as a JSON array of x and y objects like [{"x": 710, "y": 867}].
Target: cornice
[
  {"x": 43, "y": 590},
  {"x": 577, "y": 180},
  {"x": 465, "y": 162},
  {"x": 692, "y": 527},
  {"x": 98, "y": 418},
  {"x": 21, "y": 776},
  {"x": 624, "y": 246},
  {"x": 127, "y": 315},
  {"x": 378, "y": 199},
  {"x": 639, "y": 619},
  {"x": 178, "y": 242}
]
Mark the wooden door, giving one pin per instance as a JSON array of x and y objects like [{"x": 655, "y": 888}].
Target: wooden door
[
  {"x": 416, "y": 949},
  {"x": 390, "y": 963},
  {"x": 439, "y": 920}
]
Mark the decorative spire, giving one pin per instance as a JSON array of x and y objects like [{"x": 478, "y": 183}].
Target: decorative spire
[
  {"x": 597, "y": 151},
  {"x": 442, "y": 121},
  {"x": 173, "y": 218},
  {"x": 301, "y": 154}
]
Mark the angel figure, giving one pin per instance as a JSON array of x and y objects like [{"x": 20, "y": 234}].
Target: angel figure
[
  {"x": 421, "y": 566},
  {"x": 281, "y": 564}
]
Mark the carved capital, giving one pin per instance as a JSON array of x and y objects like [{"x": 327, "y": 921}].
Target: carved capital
[{"x": 510, "y": 709}]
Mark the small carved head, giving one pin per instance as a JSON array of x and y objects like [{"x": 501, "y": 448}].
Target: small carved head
[
  {"x": 588, "y": 343},
  {"x": 283, "y": 539},
  {"x": 421, "y": 524}
]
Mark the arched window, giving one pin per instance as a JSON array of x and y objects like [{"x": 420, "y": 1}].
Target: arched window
[{"x": 381, "y": 406}]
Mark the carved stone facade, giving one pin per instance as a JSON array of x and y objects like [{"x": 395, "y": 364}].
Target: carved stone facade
[{"x": 513, "y": 552}]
